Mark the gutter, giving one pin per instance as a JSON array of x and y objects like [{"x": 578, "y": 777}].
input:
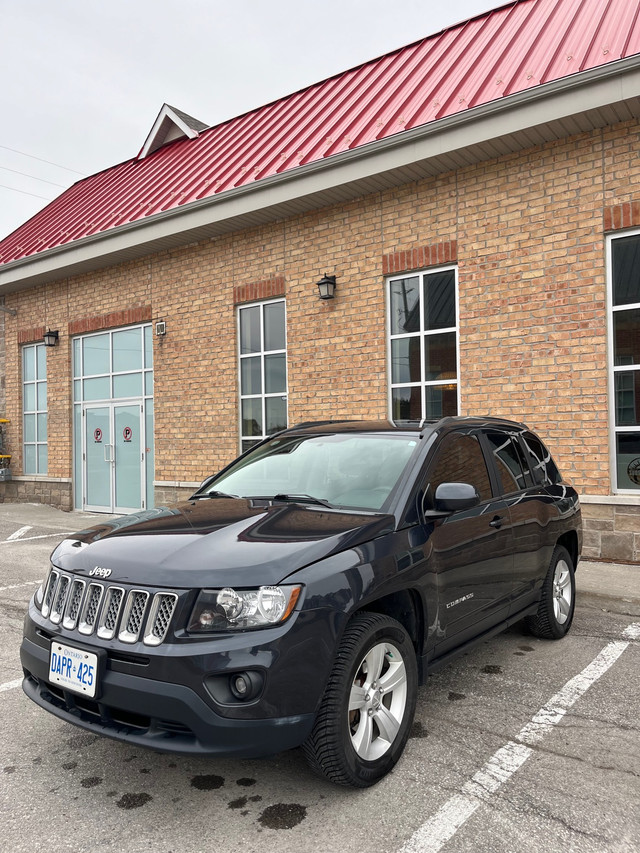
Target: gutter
[{"x": 312, "y": 185}]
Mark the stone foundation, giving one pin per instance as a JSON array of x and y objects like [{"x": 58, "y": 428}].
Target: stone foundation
[
  {"x": 52, "y": 491},
  {"x": 167, "y": 494},
  {"x": 611, "y": 528}
]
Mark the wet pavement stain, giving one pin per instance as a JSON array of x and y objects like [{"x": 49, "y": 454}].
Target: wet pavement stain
[
  {"x": 283, "y": 816},
  {"x": 455, "y": 697},
  {"x": 80, "y": 741},
  {"x": 256, "y": 799},
  {"x": 492, "y": 669},
  {"x": 520, "y": 654},
  {"x": 145, "y": 770},
  {"x": 526, "y": 648},
  {"x": 246, "y": 783},
  {"x": 9, "y": 769},
  {"x": 133, "y": 801},
  {"x": 91, "y": 781},
  {"x": 70, "y": 765},
  {"x": 207, "y": 783},
  {"x": 418, "y": 730},
  {"x": 240, "y": 803}
]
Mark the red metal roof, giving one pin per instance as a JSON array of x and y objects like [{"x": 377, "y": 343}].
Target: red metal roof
[{"x": 518, "y": 46}]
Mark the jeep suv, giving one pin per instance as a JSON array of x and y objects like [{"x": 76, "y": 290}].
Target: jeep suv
[{"x": 302, "y": 594}]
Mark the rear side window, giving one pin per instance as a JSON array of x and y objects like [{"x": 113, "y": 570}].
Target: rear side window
[
  {"x": 513, "y": 469},
  {"x": 460, "y": 459},
  {"x": 543, "y": 465}
]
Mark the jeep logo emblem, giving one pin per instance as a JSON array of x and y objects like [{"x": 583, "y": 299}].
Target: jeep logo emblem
[{"x": 99, "y": 573}]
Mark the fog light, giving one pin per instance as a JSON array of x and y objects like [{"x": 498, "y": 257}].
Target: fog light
[
  {"x": 245, "y": 686},
  {"x": 240, "y": 685}
]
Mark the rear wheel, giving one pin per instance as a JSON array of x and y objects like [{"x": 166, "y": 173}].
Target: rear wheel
[
  {"x": 368, "y": 706},
  {"x": 557, "y": 603}
]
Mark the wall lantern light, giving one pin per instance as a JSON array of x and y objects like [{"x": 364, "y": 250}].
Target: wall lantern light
[
  {"x": 50, "y": 338},
  {"x": 327, "y": 286}
]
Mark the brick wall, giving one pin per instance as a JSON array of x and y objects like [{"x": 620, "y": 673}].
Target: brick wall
[{"x": 528, "y": 233}]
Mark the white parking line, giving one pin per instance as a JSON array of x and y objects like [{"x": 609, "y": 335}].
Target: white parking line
[
  {"x": 61, "y": 534},
  {"x": 443, "y": 825},
  {"x": 18, "y": 585},
  {"x": 19, "y": 533},
  {"x": 10, "y": 685}
]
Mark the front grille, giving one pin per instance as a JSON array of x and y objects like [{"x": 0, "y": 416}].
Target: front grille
[{"x": 108, "y": 611}]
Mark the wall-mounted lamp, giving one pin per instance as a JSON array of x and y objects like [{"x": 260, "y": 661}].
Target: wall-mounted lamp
[
  {"x": 161, "y": 328},
  {"x": 327, "y": 286},
  {"x": 50, "y": 338}
]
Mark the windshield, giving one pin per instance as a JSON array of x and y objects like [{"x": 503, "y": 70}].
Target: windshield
[{"x": 346, "y": 470}]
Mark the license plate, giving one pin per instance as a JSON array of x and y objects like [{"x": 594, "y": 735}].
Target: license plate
[{"x": 73, "y": 669}]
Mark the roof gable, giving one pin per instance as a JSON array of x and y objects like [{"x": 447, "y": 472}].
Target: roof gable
[{"x": 170, "y": 125}]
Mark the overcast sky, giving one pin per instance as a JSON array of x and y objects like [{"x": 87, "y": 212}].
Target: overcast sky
[{"x": 82, "y": 81}]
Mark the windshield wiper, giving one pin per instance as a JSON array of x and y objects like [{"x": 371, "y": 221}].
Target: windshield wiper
[
  {"x": 303, "y": 499},
  {"x": 215, "y": 494}
]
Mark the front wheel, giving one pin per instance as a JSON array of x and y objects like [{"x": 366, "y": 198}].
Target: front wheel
[
  {"x": 367, "y": 709},
  {"x": 558, "y": 599}
]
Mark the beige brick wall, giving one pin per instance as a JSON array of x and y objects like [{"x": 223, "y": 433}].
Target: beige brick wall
[{"x": 529, "y": 231}]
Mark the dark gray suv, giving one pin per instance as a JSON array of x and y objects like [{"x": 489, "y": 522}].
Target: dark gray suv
[{"x": 303, "y": 593}]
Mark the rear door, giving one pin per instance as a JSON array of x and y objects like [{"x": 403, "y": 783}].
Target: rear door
[{"x": 531, "y": 511}]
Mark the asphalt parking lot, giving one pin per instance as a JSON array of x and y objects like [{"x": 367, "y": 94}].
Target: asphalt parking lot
[{"x": 522, "y": 744}]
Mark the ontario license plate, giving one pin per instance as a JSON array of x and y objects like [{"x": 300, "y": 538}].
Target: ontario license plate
[{"x": 73, "y": 669}]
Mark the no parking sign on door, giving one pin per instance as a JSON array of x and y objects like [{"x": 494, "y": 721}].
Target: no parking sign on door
[{"x": 127, "y": 433}]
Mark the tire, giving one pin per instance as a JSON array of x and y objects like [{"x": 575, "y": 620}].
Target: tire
[
  {"x": 557, "y": 602},
  {"x": 367, "y": 709}
]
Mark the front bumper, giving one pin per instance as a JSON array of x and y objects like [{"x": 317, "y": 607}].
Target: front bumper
[{"x": 168, "y": 707}]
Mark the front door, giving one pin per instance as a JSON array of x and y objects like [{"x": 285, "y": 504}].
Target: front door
[
  {"x": 470, "y": 551},
  {"x": 113, "y": 458}
]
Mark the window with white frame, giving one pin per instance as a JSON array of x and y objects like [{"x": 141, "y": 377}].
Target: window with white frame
[
  {"x": 624, "y": 356},
  {"x": 263, "y": 370},
  {"x": 34, "y": 409},
  {"x": 423, "y": 345}
]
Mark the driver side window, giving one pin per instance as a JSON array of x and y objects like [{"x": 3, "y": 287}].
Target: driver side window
[{"x": 459, "y": 459}]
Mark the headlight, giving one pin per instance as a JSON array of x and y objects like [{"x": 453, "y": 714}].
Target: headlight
[{"x": 235, "y": 609}]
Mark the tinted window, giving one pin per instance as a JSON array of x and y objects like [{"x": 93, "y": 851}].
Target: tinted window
[
  {"x": 459, "y": 459},
  {"x": 543, "y": 465},
  {"x": 513, "y": 470}
]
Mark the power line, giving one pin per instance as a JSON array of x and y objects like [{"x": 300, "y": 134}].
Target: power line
[
  {"x": 33, "y": 157},
  {"x": 33, "y": 177},
  {"x": 24, "y": 192}
]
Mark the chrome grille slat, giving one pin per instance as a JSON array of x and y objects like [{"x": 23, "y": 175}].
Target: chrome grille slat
[
  {"x": 74, "y": 601},
  {"x": 108, "y": 621},
  {"x": 49, "y": 592},
  {"x": 59, "y": 599},
  {"x": 164, "y": 603},
  {"x": 90, "y": 608},
  {"x": 110, "y": 612},
  {"x": 133, "y": 615}
]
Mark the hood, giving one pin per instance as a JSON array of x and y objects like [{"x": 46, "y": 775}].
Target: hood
[{"x": 217, "y": 542}]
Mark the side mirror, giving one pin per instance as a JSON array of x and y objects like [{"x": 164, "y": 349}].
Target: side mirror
[{"x": 451, "y": 497}]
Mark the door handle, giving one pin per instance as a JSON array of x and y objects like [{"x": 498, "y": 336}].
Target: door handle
[
  {"x": 110, "y": 454},
  {"x": 497, "y": 522}
]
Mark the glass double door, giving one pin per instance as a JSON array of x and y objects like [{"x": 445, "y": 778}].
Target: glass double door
[{"x": 113, "y": 456}]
